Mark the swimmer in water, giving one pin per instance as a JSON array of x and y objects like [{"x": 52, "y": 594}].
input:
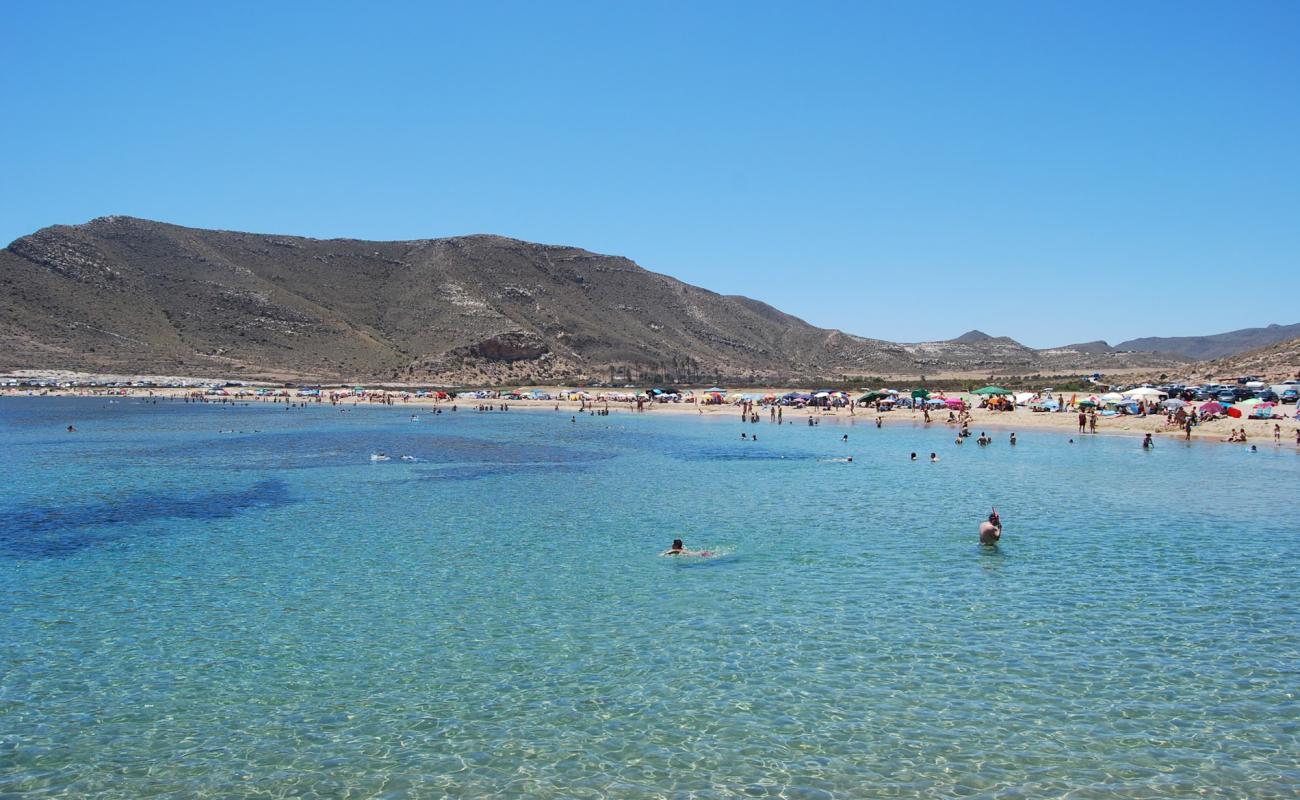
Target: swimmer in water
[
  {"x": 679, "y": 550},
  {"x": 934, "y": 458},
  {"x": 914, "y": 456},
  {"x": 991, "y": 529}
]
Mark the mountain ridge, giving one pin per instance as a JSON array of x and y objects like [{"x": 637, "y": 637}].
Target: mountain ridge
[
  {"x": 1212, "y": 346},
  {"x": 125, "y": 294}
]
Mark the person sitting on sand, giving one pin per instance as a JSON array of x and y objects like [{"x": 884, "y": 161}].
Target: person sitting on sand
[
  {"x": 991, "y": 529},
  {"x": 679, "y": 550}
]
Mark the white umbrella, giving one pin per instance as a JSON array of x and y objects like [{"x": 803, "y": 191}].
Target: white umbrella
[
  {"x": 1145, "y": 393},
  {"x": 1113, "y": 397}
]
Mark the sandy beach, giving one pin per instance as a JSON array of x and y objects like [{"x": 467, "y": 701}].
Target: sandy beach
[{"x": 1258, "y": 431}]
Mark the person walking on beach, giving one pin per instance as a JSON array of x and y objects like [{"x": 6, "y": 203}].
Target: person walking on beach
[{"x": 1277, "y": 433}]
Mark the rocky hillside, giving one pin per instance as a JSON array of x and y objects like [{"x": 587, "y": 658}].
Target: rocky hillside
[
  {"x": 1217, "y": 345},
  {"x": 133, "y": 296},
  {"x": 1276, "y": 362}
]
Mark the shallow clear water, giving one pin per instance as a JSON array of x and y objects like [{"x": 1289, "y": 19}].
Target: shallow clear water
[{"x": 203, "y": 614}]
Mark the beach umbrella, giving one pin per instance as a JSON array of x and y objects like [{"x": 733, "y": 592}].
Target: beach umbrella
[
  {"x": 1173, "y": 404},
  {"x": 1112, "y": 397},
  {"x": 1145, "y": 393},
  {"x": 1087, "y": 403},
  {"x": 953, "y": 402},
  {"x": 1211, "y": 407},
  {"x": 921, "y": 393},
  {"x": 1249, "y": 402},
  {"x": 990, "y": 391}
]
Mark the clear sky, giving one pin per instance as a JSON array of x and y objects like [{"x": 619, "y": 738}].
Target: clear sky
[{"x": 1052, "y": 171}]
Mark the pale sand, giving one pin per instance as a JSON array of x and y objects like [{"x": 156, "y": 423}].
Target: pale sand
[{"x": 1258, "y": 432}]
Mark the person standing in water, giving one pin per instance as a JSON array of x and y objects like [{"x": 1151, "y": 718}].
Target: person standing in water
[{"x": 991, "y": 529}]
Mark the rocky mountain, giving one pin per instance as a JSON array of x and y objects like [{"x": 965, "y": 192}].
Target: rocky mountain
[
  {"x": 128, "y": 295},
  {"x": 1215, "y": 346},
  {"x": 1274, "y": 362}
]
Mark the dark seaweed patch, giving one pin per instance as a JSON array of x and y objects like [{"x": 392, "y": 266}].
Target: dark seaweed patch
[{"x": 57, "y": 531}]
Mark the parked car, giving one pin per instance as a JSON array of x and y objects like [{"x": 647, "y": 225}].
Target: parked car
[
  {"x": 1267, "y": 395},
  {"x": 1289, "y": 395}
]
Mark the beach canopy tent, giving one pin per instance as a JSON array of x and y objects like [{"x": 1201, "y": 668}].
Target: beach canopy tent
[
  {"x": 990, "y": 391},
  {"x": 871, "y": 397},
  {"x": 1145, "y": 393}
]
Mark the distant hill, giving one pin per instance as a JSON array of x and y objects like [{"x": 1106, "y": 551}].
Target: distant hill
[
  {"x": 132, "y": 296},
  {"x": 1214, "y": 346},
  {"x": 1274, "y": 362},
  {"x": 1098, "y": 347}
]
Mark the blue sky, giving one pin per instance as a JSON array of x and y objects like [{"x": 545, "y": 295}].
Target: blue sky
[{"x": 1056, "y": 172}]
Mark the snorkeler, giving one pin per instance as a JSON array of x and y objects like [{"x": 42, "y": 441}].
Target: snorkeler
[
  {"x": 991, "y": 529},
  {"x": 679, "y": 550}
]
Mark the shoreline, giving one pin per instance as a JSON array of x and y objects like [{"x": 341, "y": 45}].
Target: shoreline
[{"x": 1258, "y": 431}]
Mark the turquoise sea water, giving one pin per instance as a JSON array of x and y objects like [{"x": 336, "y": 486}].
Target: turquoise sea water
[{"x": 190, "y": 613}]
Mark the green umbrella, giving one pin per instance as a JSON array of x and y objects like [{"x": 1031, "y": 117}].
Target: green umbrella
[
  {"x": 921, "y": 393},
  {"x": 991, "y": 390},
  {"x": 871, "y": 397}
]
